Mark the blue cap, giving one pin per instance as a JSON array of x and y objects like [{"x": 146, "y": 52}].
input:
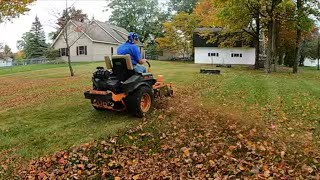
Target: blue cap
[{"x": 132, "y": 36}]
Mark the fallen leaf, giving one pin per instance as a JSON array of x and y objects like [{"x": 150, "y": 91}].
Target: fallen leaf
[
  {"x": 266, "y": 173},
  {"x": 231, "y": 148},
  {"x": 212, "y": 163},
  {"x": 80, "y": 166},
  {"x": 61, "y": 161},
  {"x": 241, "y": 167},
  {"x": 135, "y": 177},
  {"x": 186, "y": 152}
]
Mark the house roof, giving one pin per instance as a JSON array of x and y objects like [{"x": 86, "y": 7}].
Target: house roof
[
  {"x": 8, "y": 59},
  {"x": 101, "y": 32}
]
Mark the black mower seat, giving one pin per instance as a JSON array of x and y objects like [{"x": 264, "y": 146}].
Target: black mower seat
[{"x": 121, "y": 66}]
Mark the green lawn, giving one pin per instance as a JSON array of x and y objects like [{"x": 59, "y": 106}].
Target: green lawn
[
  {"x": 43, "y": 110},
  {"x": 33, "y": 67},
  {"x": 288, "y": 101}
]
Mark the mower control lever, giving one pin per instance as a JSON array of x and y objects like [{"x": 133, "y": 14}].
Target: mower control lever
[{"x": 148, "y": 64}]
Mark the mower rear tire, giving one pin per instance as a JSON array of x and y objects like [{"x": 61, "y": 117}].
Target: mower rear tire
[{"x": 140, "y": 101}]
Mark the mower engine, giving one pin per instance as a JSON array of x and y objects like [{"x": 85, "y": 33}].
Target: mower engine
[
  {"x": 103, "y": 80},
  {"x": 101, "y": 74}
]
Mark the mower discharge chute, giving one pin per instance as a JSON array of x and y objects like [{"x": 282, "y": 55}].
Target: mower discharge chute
[{"x": 120, "y": 88}]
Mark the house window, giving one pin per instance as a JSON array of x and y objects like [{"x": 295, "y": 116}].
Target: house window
[
  {"x": 81, "y": 50},
  {"x": 63, "y": 52},
  {"x": 236, "y": 54},
  {"x": 111, "y": 50},
  {"x": 213, "y": 54}
]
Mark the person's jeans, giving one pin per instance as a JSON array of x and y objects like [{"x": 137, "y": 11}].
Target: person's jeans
[{"x": 139, "y": 68}]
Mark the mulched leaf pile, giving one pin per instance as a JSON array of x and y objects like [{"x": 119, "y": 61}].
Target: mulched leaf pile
[{"x": 182, "y": 140}]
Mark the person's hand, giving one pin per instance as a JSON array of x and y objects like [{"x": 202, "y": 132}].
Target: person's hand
[{"x": 142, "y": 61}]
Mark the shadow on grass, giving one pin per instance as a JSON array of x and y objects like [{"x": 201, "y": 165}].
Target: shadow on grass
[{"x": 109, "y": 115}]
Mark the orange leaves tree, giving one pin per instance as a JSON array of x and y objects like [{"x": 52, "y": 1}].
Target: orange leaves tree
[
  {"x": 233, "y": 16},
  {"x": 303, "y": 22},
  {"x": 275, "y": 17},
  {"x": 178, "y": 34},
  {"x": 13, "y": 8}
]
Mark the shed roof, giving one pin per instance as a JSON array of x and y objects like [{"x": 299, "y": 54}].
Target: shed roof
[{"x": 218, "y": 37}]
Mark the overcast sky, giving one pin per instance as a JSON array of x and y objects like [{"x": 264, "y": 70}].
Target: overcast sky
[{"x": 11, "y": 32}]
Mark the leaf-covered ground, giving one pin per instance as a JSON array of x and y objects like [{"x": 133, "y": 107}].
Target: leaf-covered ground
[
  {"x": 182, "y": 140},
  {"x": 240, "y": 124}
]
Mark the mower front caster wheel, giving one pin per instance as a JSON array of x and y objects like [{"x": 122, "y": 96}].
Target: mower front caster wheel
[
  {"x": 140, "y": 101},
  {"x": 96, "y": 108}
]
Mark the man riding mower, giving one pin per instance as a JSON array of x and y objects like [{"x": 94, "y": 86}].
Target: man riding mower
[
  {"x": 123, "y": 86},
  {"x": 130, "y": 48},
  {"x": 123, "y": 89}
]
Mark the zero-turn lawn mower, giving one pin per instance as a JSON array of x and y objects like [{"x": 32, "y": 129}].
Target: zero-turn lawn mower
[{"x": 120, "y": 88}]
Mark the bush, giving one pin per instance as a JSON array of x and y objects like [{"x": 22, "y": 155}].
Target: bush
[{"x": 51, "y": 54}]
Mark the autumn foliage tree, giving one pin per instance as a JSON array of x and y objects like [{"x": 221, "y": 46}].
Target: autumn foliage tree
[
  {"x": 75, "y": 14},
  {"x": 304, "y": 25},
  {"x": 178, "y": 34},
  {"x": 13, "y": 8},
  {"x": 227, "y": 13},
  {"x": 276, "y": 17}
]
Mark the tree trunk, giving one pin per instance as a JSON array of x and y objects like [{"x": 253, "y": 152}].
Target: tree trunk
[
  {"x": 69, "y": 63},
  {"x": 301, "y": 61},
  {"x": 298, "y": 40},
  {"x": 281, "y": 58},
  {"x": 271, "y": 52},
  {"x": 68, "y": 53},
  {"x": 66, "y": 38},
  {"x": 257, "y": 42},
  {"x": 270, "y": 48},
  {"x": 275, "y": 42},
  {"x": 297, "y": 52},
  {"x": 318, "y": 53}
]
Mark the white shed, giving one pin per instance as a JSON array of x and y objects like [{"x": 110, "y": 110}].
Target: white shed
[
  {"x": 310, "y": 62},
  {"x": 212, "y": 53}
]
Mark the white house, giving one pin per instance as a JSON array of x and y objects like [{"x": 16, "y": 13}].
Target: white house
[
  {"x": 92, "y": 40},
  {"x": 6, "y": 62},
  {"x": 310, "y": 62},
  {"x": 211, "y": 53}
]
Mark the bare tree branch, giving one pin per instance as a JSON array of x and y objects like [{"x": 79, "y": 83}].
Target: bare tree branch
[{"x": 251, "y": 33}]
